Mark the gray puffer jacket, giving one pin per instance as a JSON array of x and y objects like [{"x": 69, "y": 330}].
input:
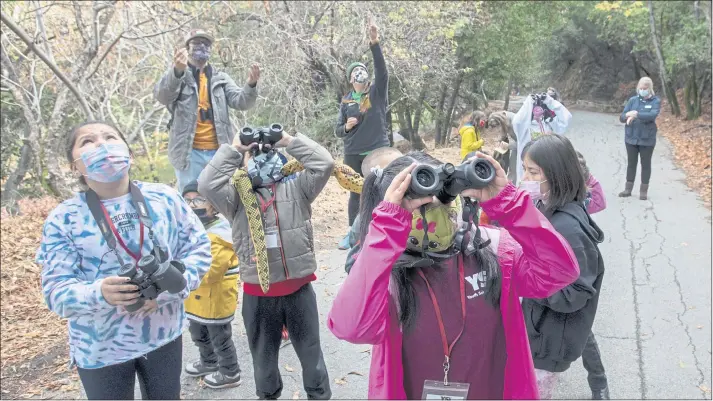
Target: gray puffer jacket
[
  {"x": 224, "y": 93},
  {"x": 290, "y": 215}
]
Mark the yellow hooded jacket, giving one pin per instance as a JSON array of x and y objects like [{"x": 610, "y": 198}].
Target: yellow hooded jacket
[
  {"x": 216, "y": 299},
  {"x": 470, "y": 140}
]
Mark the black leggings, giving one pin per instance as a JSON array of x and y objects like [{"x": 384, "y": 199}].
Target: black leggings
[
  {"x": 632, "y": 153},
  {"x": 354, "y": 161},
  {"x": 159, "y": 374}
]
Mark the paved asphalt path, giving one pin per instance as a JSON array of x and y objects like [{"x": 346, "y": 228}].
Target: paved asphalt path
[{"x": 654, "y": 320}]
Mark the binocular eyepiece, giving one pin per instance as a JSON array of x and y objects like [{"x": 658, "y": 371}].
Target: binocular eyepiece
[
  {"x": 447, "y": 181},
  {"x": 265, "y": 136},
  {"x": 153, "y": 277}
]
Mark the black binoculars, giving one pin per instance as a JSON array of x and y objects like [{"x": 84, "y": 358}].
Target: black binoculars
[
  {"x": 538, "y": 97},
  {"x": 154, "y": 276},
  {"x": 265, "y": 136},
  {"x": 447, "y": 181}
]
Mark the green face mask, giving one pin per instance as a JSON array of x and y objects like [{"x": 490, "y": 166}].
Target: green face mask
[{"x": 442, "y": 224}]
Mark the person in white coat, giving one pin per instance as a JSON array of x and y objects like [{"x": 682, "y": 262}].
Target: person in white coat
[{"x": 532, "y": 120}]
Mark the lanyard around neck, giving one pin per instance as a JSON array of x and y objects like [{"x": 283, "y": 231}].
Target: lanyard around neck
[
  {"x": 448, "y": 349},
  {"x": 109, "y": 232}
]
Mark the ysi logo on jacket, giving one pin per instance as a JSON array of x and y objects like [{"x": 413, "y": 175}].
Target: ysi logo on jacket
[{"x": 478, "y": 282}]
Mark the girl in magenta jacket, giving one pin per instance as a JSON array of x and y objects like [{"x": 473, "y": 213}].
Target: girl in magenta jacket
[
  {"x": 596, "y": 201},
  {"x": 404, "y": 308}
]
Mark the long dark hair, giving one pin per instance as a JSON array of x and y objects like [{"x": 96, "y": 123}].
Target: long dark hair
[
  {"x": 372, "y": 194},
  {"x": 556, "y": 156}
]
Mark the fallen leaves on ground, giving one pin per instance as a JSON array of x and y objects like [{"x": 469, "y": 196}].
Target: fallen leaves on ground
[
  {"x": 691, "y": 142},
  {"x": 296, "y": 395},
  {"x": 29, "y": 329},
  {"x": 289, "y": 368},
  {"x": 341, "y": 381}
]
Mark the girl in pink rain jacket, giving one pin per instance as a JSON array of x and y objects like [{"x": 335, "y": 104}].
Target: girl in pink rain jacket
[{"x": 390, "y": 308}]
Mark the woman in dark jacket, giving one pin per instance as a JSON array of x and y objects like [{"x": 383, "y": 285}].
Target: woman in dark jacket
[
  {"x": 640, "y": 117},
  {"x": 361, "y": 123},
  {"x": 560, "y": 326}
]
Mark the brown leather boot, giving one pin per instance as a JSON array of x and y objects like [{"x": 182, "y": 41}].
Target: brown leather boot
[
  {"x": 627, "y": 190},
  {"x": 644, "y": 192}
]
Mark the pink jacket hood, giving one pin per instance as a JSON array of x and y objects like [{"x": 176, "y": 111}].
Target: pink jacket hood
[
  {"x": 598, "y": 202},
  {"x": 535, "y": 260}
]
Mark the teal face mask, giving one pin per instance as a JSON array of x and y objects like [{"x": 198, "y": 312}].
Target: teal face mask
[{"x": 643, "y": 92}]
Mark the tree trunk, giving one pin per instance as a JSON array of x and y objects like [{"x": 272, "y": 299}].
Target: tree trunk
[
  {"x": 451, "y": 106},
  {"x": 406, "y": 130},
  {"x": 507, "y": 95},
  {"x": 670, "y": 94},
  {"x": 10, "y": 193},
  {"x": 419, "y": 107},
  {"x": 30, "y": 147},
  {"x": 637, "y": 68},
  {"x": 390, "y": 127},
  {"x": 439, "y": 113},
  {"x": 691, "y": 97}
]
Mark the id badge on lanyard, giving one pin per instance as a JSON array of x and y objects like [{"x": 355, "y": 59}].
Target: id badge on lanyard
[
  {"x": 437, "y": 390},
  {"x": 272, "y": 233},
  {"x": 446, "y": 390}
]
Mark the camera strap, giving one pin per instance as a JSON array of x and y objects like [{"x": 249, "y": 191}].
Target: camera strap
[
  {"x": 462, "y": 239},
  {"x": 107, "y": 228}
]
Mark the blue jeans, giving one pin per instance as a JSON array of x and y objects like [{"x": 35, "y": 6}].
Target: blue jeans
[{"x": 199, "y": 159}]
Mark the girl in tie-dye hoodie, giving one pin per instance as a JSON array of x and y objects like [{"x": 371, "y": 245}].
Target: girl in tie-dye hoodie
[{"x": 108, "y": 344}]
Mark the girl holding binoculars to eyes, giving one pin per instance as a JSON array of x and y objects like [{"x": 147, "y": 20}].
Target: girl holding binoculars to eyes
[{"x": 445, "y": 322}]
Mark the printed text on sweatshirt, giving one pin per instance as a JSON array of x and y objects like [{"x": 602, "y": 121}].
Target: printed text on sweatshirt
[{"x": 75, "y": 258}]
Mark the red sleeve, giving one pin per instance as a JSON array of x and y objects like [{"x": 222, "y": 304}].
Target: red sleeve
[
  {"x": 543, "y": 262},
  {"x": 360, "y": 311}
]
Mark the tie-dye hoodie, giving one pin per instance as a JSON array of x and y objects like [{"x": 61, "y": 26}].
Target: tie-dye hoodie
[{"x": 75, "y": 258}]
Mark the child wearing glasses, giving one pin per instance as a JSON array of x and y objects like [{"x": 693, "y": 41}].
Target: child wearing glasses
[{"x": 211, "y": 307}]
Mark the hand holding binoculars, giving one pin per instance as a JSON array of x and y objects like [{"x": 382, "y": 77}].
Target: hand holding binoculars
[
  {"x": 154, "y": 276},
  {"x": 267, "y": 137},
  {"x": 447, "y": 181}
]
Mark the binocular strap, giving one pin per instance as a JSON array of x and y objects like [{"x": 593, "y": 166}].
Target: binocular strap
[{"x": 139, "y": 202}]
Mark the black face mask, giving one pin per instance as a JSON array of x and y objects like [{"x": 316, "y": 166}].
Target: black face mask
[{"x": 203, "y": 215}]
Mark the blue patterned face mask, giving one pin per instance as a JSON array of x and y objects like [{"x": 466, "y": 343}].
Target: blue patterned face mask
[
  {"x": 108, "y": 162},
  {"x": 200, "y": 53}
]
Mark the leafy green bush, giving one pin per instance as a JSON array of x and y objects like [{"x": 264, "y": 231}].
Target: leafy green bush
[{"x": 161, "y": 170}]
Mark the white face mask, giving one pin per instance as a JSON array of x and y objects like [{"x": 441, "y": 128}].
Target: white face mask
[
  {"x": 533, "y": 188},
  {"x": 360, "y": 75}
]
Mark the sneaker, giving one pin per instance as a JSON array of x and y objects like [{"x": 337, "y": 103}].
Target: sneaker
[
  {"x": 198, "y": 369},
  {"x": 344, "y": 243},
  {"x": 220, "y": 380},
  {"x": 602, "y": 394}
]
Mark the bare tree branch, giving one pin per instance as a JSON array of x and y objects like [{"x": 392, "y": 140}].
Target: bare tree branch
[
  {"x": 42, "y": 31},
  {"x": 23, "y": 36},
  {"x": 80, "y": 21}
]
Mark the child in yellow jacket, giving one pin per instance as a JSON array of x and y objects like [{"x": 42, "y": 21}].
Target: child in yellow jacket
[
  {"x": 210, "y": 307},
  {"x": 470, "y": 139}
]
